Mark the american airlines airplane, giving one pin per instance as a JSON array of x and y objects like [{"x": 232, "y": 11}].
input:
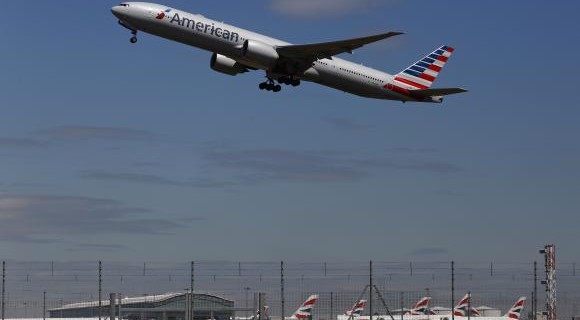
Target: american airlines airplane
[{"x": 236, "y": 51}]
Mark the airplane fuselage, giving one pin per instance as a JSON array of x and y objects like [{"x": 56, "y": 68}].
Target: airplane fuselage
[{"x": 227, "y": 40}]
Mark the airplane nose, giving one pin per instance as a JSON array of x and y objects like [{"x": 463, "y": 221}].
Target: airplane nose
[{"x": 116, "y": 10}]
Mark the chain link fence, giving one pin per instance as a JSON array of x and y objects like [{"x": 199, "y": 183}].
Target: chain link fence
[{"x": 33, "y": 287}]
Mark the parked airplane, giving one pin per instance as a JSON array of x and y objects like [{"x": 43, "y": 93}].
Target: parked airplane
[
  {"x": 356, "y": 310},
  {"x": 516, "y": 309},
  {"x": 461, "y": 308},
  {"x": 420, "y": 308},
  {"x": 236, "y": 51},
  {"x": 305, "y": 310}
]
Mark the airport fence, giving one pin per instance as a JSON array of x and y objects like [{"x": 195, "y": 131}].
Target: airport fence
[{"x": 32, "y": 288}]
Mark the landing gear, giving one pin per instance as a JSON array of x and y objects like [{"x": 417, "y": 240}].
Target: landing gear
[
  {"x": 289, "y": 81},
  {"x": 133, "y": 31},
  {"x": 134, "y": 37},
  {"x": 270, "y": 86}
]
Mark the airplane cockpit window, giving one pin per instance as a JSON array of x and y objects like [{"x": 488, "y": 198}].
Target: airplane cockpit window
[{"x": 124, "y": 5}]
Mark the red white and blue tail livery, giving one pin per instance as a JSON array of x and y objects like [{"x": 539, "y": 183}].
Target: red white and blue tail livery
[
  {"x": 420, "y": 308},
  {"x": 357, "y": 309},
  {"x": 516, "y": 310},
  {"x": 461, "y": 308},
  {"x": 423, "y": 73},
  {"x": 305, "y": 310},
  {"x": 416, "y": 80}
]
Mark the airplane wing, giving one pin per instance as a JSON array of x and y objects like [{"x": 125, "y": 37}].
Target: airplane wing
[
  {"x": 436, "y": 92},
  {"x": 316, "y": 51}
]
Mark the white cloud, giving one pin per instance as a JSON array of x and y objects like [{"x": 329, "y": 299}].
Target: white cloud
[{"x": 319, "y": 8}]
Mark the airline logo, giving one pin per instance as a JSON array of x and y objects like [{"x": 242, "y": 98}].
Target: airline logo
[
  {"x": 461, "y": 309},
  {"x": 422, "y": 74},
  {"x": 516, "y": 310},
  {"x": 421, "y": 307},
  {"x": 357, "y": 309},
  {"x": 305, "y": 310},
  {"x": 162, "y": 14}
]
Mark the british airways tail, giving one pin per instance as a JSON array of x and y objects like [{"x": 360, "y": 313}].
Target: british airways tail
[
  {"x": 516, "y": 310},
  {"x": 461, "y": 309},
  {"x": 305, "y": 310},
  {"x": 357, "y": 309},
  {"x": 418, "y": 78},
  {"x": 420, "y": 308}
]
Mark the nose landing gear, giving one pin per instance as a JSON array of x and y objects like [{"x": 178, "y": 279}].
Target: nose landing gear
[
  {"x": 133, "y": 31},
  {"x": 134, "y": 37}
]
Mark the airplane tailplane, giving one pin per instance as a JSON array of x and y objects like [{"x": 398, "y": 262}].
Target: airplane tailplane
[{"x": 423, "y": 73}]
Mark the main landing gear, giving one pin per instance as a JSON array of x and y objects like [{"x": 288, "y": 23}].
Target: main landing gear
[
  {"x": 289, "y": 81},
  {"x": 269, "y": 85}
]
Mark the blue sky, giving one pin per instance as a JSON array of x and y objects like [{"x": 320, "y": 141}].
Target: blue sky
[{"x": 121, "y": 151}]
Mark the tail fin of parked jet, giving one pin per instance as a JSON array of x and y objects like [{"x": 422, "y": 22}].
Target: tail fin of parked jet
[
  {"x": 421, "y": 307},
  {"x": 422, "y": 74},
  {"x": 461, "y": 308},
  {"x": 516, "y": 310},
  {"x": 305, "y": 309},
  {"x": 357, "y": 309}
]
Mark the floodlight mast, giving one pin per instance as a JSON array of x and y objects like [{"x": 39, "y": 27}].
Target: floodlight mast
[{"x": 549, "y": 253}]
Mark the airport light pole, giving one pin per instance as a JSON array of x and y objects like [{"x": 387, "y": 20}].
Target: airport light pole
[
  {"x": 452, "y": 290},
  {"x": 282, "y": 289},
  {"x": 3, "y": 287},
  {"x": 371, "y": 290}
]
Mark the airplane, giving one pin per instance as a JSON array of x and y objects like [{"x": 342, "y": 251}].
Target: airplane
[
  {"x": 460, "y": 309},
  {"x": 237, "y": 51},
  {"x": 356, "y": 310},
  {"x": 516, "y": 309},
  {"x": 305, "y": 310},
  {"x": 420, "y": 308}
]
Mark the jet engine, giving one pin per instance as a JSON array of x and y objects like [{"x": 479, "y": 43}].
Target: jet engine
[
  {"x": 259, "y": 54},
  {"x": 226, "y": 65}
]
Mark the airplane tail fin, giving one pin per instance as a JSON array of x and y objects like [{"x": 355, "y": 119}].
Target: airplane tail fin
[
  {"x": 422, "y": 74},
  {"x": 462, "y": 308},
  {"x": 357, "y": 309},
  {"x": 516, "y": 310},
  {"x": 305, "y": 309},
  {"x": 421, "y": 307}
]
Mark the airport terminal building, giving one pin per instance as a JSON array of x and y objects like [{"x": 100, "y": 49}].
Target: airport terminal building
[{"x": 170, "y": 306}]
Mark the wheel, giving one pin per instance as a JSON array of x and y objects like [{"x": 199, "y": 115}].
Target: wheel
[
  {"x": 263, "y": 85},
  {"x": 295, "y": 82},
  {"x": 133, "y": 40},
  {"x": 269, "y": 87},
  {"x": 277, "y": 88}
]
